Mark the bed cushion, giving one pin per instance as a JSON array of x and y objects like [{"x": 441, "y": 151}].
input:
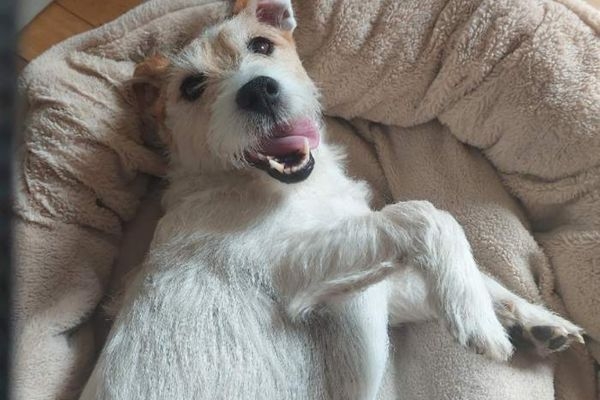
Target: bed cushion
[{"x": 489, "y": 109}]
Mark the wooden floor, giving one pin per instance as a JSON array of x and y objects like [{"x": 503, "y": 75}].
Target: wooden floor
[{"x": 65, "y": 18}]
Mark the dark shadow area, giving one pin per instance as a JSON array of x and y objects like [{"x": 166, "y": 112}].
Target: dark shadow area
[{"x": 7, "y": 123}]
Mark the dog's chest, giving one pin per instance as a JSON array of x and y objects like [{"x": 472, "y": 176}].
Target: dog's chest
[
  {"x": 324, "y": 207},
  {"x": 207, "y": 322},
  {"x": 202, "y": 336}
]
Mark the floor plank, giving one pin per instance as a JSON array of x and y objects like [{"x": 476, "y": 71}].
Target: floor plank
[
  {"x": 53, "y": 25},
  {"x": 98, "y": 12}
]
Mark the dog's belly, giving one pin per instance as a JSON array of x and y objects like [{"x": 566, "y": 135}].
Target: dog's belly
[{"x": 210, "y": 338}]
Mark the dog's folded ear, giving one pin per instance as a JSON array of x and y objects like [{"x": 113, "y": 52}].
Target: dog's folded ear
[
  {"x": 147, "y": 79},
  {"x": 146, "y": 87},
  {"x": 277, "y": 13}
]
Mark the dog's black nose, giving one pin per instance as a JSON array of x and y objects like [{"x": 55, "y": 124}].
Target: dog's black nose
[{"x": 260, "y": 95}]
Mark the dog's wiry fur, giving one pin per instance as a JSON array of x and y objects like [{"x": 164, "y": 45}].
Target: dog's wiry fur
[{"x": 255, "y": 289}]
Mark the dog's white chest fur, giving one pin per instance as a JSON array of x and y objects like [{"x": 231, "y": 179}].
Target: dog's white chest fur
[{"x": 204, "y": 320}]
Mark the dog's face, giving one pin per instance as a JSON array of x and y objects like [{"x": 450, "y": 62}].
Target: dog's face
[{"x": 237, "y": 96}]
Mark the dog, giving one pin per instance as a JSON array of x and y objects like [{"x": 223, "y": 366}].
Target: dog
[{"x": 269, "y": 276}]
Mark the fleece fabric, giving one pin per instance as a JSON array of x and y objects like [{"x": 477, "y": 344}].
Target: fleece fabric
[{"x": 488, "y": 108}]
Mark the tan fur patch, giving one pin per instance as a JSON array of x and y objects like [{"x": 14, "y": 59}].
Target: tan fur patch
[
  {"x": 240, "y": 5},
  {"x": 147, "y": 87},
  {"x": 226, "y": 49},
  {"x": 152, "y": 67}
]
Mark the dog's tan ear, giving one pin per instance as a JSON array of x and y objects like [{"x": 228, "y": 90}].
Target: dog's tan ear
[
  {"x": 277, "y": 13},
  {"x": 146, "y": 84},
  {"x": 147, "y": 81}
]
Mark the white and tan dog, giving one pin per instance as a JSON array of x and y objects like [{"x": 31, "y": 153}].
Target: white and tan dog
[{"x": 269, "y": 276}]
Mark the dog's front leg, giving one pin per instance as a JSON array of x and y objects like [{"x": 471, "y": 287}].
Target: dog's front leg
[
  {"x": 410, "y": 301},
  {"x": 319, "y": 266},
  {"x": 323, "y": 264}
]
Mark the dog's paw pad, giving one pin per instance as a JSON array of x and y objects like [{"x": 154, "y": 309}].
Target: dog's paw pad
[
  {"x": 546, "y": 332},
  {"x": 548, "y": 338}
]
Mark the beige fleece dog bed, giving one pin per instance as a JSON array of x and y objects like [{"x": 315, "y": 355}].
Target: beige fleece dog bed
[{"x": 489, "y": 109}]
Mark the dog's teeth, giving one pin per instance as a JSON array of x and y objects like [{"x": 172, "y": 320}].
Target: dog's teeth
[
  {"x": 305, "y": 159},
  {"x": 306, "y": 148},
  {"x": 275, "y": 165},
  {"x": 302, "y": 157},
  {"x": 305, "y": 152}
]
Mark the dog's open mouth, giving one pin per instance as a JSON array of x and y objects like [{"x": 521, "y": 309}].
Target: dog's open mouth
[{"x": 286, "y": 155}]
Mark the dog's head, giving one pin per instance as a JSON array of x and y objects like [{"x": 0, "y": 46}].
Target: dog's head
[{"x": 237, "y": 96}]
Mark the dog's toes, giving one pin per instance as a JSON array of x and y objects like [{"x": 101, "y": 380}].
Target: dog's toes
[
  {"x": 496, "y": 348},
  {"x": 534, "y": 326},
  {"x": 483, "y": 335},
  {"x": 552, "y": 338}
]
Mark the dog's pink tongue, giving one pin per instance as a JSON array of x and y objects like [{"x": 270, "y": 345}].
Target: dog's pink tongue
[{"x": 290, "y": 138}]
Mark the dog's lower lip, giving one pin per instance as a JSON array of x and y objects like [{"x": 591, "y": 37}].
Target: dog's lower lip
[{"x": 292, "y": 174}]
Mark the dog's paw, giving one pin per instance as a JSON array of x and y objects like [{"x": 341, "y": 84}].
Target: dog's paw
[
  {"x": 533, "y": 325},
  {"x": 471, "y": 317},
  {"x": 485, "y": 336},
  {"x": 475, "y": 325}
]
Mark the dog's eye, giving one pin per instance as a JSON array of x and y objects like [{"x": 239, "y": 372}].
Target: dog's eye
[
  {"x": 261, "y": 45},
  {"x": 192, "y": 87}
]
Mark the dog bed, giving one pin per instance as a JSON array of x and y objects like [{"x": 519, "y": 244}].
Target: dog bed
[{"x": 488, "y": 108}]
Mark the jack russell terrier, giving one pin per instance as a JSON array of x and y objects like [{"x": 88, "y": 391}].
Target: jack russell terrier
[{"x": 269, "y": 276}]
